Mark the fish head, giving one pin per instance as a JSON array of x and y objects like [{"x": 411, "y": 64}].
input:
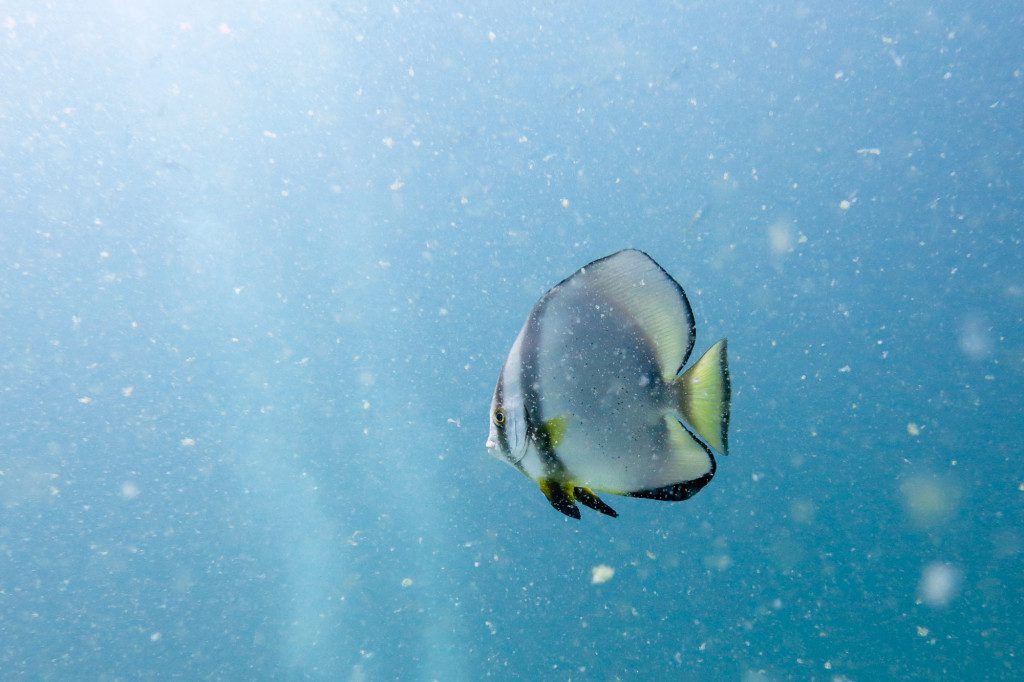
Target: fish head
[{"x": 506, "y": 439}]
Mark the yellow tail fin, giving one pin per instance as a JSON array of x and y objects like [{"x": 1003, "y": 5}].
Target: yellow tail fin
[{"x": 704, "y": 393}]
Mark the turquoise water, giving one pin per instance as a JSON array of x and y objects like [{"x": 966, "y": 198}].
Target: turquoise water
[{"x": 262, "y": 263}]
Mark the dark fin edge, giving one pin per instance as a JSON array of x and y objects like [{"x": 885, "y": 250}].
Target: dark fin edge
[
  {"x": 726, "y": 397},
  {"x": 586, "y": 496},
  {"x": 677, "y": 492}
]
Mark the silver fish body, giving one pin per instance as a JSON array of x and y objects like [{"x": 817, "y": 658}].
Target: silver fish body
[{"x": 592, "y": 397}]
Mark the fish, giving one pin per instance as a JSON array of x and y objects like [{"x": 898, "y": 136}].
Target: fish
[{"x": 593, "y": 397}]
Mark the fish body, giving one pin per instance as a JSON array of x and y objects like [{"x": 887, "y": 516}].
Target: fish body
[{"x": 593, "y": 398}]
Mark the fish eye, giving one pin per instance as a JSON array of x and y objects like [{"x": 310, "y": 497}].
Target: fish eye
[{"x": 499, "y": 417}]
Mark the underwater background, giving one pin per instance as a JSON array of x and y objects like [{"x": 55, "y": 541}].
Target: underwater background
[{"x": 261, "y": 263}]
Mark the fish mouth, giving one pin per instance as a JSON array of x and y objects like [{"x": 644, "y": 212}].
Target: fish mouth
[{"x": 494, "y": 451}]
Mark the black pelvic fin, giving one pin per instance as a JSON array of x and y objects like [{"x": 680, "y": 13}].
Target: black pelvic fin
[
  {"x": 587, "y": 497},
  {"x": 560, "y": 498}
]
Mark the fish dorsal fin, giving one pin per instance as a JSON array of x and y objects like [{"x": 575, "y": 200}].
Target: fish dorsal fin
[{"x": 631, "y": 281}]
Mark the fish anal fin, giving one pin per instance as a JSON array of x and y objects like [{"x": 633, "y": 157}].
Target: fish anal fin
[
  {"x": 560, "y": 496},
  {"x": 695, "y": 466},
  {"x": 586, "y": 496},
  {"x": 677, "y": 492}
]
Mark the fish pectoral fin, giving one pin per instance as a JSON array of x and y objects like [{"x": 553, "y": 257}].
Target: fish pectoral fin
[
  {"x": 555, "y": 429},
  {"x": 560, "y": 496},
  {"x": 586, "y": 496}
]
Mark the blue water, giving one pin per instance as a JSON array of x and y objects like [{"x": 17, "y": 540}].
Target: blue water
[{"x": 261, "y": 263}]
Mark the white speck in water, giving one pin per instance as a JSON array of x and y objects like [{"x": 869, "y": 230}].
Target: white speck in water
[
  {"x": 975, "y": 337},
  {"x": 940, "y": 584},
  {"x": 929, "y": 500},
  {"x": 780, "y": 238},
  {"x": 601, "y": 574}
]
